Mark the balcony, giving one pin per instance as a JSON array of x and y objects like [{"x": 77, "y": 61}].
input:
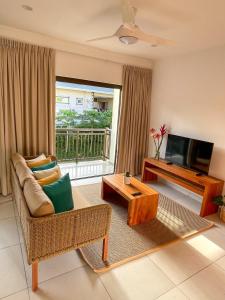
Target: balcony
[{"x": 84, "y": 152}]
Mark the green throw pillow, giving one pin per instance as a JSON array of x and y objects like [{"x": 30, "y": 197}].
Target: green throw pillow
[
  {"x": 45, "y": 167},
  {"x": 60, "y": 193}
]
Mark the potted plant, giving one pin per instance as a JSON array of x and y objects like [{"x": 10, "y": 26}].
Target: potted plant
[
  {"x": 220, "y": 201},
  {"x": 158, "y": 139}
]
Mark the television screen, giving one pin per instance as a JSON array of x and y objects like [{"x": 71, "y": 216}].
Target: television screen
[{"x": 189, "y": 153}]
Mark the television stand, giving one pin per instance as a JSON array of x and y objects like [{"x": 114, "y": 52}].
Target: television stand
[
  {"x": 200, "y": 174},
  {"x": 206, "y": 186}
]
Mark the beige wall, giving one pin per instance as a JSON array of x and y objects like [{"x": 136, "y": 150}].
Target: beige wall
[
  {"x": 189, "y": 96},
  {"x": 80, "y": 61},
  {"x": 88, "y": 68}
]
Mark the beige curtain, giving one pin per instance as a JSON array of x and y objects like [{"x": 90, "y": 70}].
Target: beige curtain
[
  {"x": 27, "y": 103},
  {"x": 133, "y": 133}
]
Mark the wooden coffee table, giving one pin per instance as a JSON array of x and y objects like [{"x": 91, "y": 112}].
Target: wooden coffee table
[{"x": 141, "y": 208}]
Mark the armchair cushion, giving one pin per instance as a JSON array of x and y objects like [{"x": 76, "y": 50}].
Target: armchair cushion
[
  {"x": 50, "y": 179},
  {"x": 40, "y": 157},
  {"x": 23, "y": 172},
  {"x": 16, "y": 157},
  {"x": 39, "y": 162},
  {"x": 45, "y": 167},
  {"x": 60, "y": 193},
  {"x": 37, "y": 201},
  {"x": 45, "y": 173}
]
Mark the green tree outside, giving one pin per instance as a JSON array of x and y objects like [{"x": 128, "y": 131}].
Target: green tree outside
[
  {"x": 88, "y": 119},
  {"x": 70, "y": 146}
]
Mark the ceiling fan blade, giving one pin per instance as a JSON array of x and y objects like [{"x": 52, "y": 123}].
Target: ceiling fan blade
[
  {"x": 145, "y": 37},
  {"x": 128, "y": 12},
  {"x": 101, "y": 38},
  {"x": 130, "y": 29}
]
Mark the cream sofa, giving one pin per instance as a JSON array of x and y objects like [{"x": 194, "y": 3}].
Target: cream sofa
[{"x": 54, "y": 234}]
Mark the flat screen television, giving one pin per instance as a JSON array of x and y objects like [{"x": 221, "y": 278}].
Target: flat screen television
[{"x": 189, "y": 153}]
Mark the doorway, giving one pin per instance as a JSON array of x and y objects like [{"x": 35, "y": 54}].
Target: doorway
[{"x": 86, "y": 127}]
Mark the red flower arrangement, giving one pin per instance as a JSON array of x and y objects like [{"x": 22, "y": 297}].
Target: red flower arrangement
[{"x": 158, "y": 138}]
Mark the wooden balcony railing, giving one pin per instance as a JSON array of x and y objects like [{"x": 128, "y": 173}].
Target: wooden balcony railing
[{"x": 75, "y": 144}]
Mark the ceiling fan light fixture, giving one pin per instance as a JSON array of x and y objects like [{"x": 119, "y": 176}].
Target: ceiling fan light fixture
[{"x": 128, "y": 40}]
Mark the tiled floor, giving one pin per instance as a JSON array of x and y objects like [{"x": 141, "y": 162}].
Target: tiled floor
[{"x": 190, "y": 269}]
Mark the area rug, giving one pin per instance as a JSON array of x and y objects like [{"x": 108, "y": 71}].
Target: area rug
[{"x": 173, "y": 222}]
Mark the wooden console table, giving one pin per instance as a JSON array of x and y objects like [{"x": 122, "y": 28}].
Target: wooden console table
[{"x": 206, "y": 186}]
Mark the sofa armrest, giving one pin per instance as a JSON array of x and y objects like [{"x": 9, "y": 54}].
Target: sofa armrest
[{"x": 55, "y": 234}]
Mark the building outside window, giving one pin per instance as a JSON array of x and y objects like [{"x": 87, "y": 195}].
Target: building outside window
[
  {"x": 63, "y": 99},
  {"x": 79, "y": 101}
]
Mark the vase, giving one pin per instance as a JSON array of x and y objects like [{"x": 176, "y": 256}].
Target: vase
[
  {"x": 126, "y": 179},
  {"x": 157, "y": 154}
]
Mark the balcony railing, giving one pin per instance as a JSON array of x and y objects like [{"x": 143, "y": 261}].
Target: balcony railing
[{"x": 76, "y": 144}]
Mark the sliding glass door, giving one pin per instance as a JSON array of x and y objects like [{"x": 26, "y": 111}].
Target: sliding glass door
[{"x": 86, "y": 127}]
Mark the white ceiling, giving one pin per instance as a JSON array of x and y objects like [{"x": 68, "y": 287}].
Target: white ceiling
[{"x": 192, "y": 24}]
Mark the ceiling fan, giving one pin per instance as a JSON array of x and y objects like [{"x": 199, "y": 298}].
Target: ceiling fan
[{"x": 130, "y": 33}]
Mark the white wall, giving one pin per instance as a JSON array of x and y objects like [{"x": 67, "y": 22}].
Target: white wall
[{"x": 188, "y": 95}]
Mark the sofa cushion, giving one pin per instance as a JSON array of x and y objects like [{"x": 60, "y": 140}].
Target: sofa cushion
[
  {"x": 39, "y": 162},
  {"x": 40, "y": 157},
  {"x": 50, "y": 179},
  {"x": 60, "y": 193},
  {"x": 37, "y": 201},
  {"x": 23, "y": 172},
  {"x": 79, "y": 200},
  {"x": 45, "y": 167},
  {"x": 16, "y": 157},
  {"x": 46, "y": 173}
]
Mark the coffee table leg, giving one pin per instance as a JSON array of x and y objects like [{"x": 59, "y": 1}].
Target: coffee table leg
[
  {"x": 142, "y": 210},
  {"x": 106, "y": 191}
]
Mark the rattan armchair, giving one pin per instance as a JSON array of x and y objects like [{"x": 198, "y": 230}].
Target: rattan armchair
[{"x": 53, "y": 235}]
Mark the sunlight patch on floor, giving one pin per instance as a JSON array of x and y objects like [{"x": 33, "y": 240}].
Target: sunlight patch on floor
[
  {"x": 205, "y": 247},
  {"x": 169, "y": 219}
]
